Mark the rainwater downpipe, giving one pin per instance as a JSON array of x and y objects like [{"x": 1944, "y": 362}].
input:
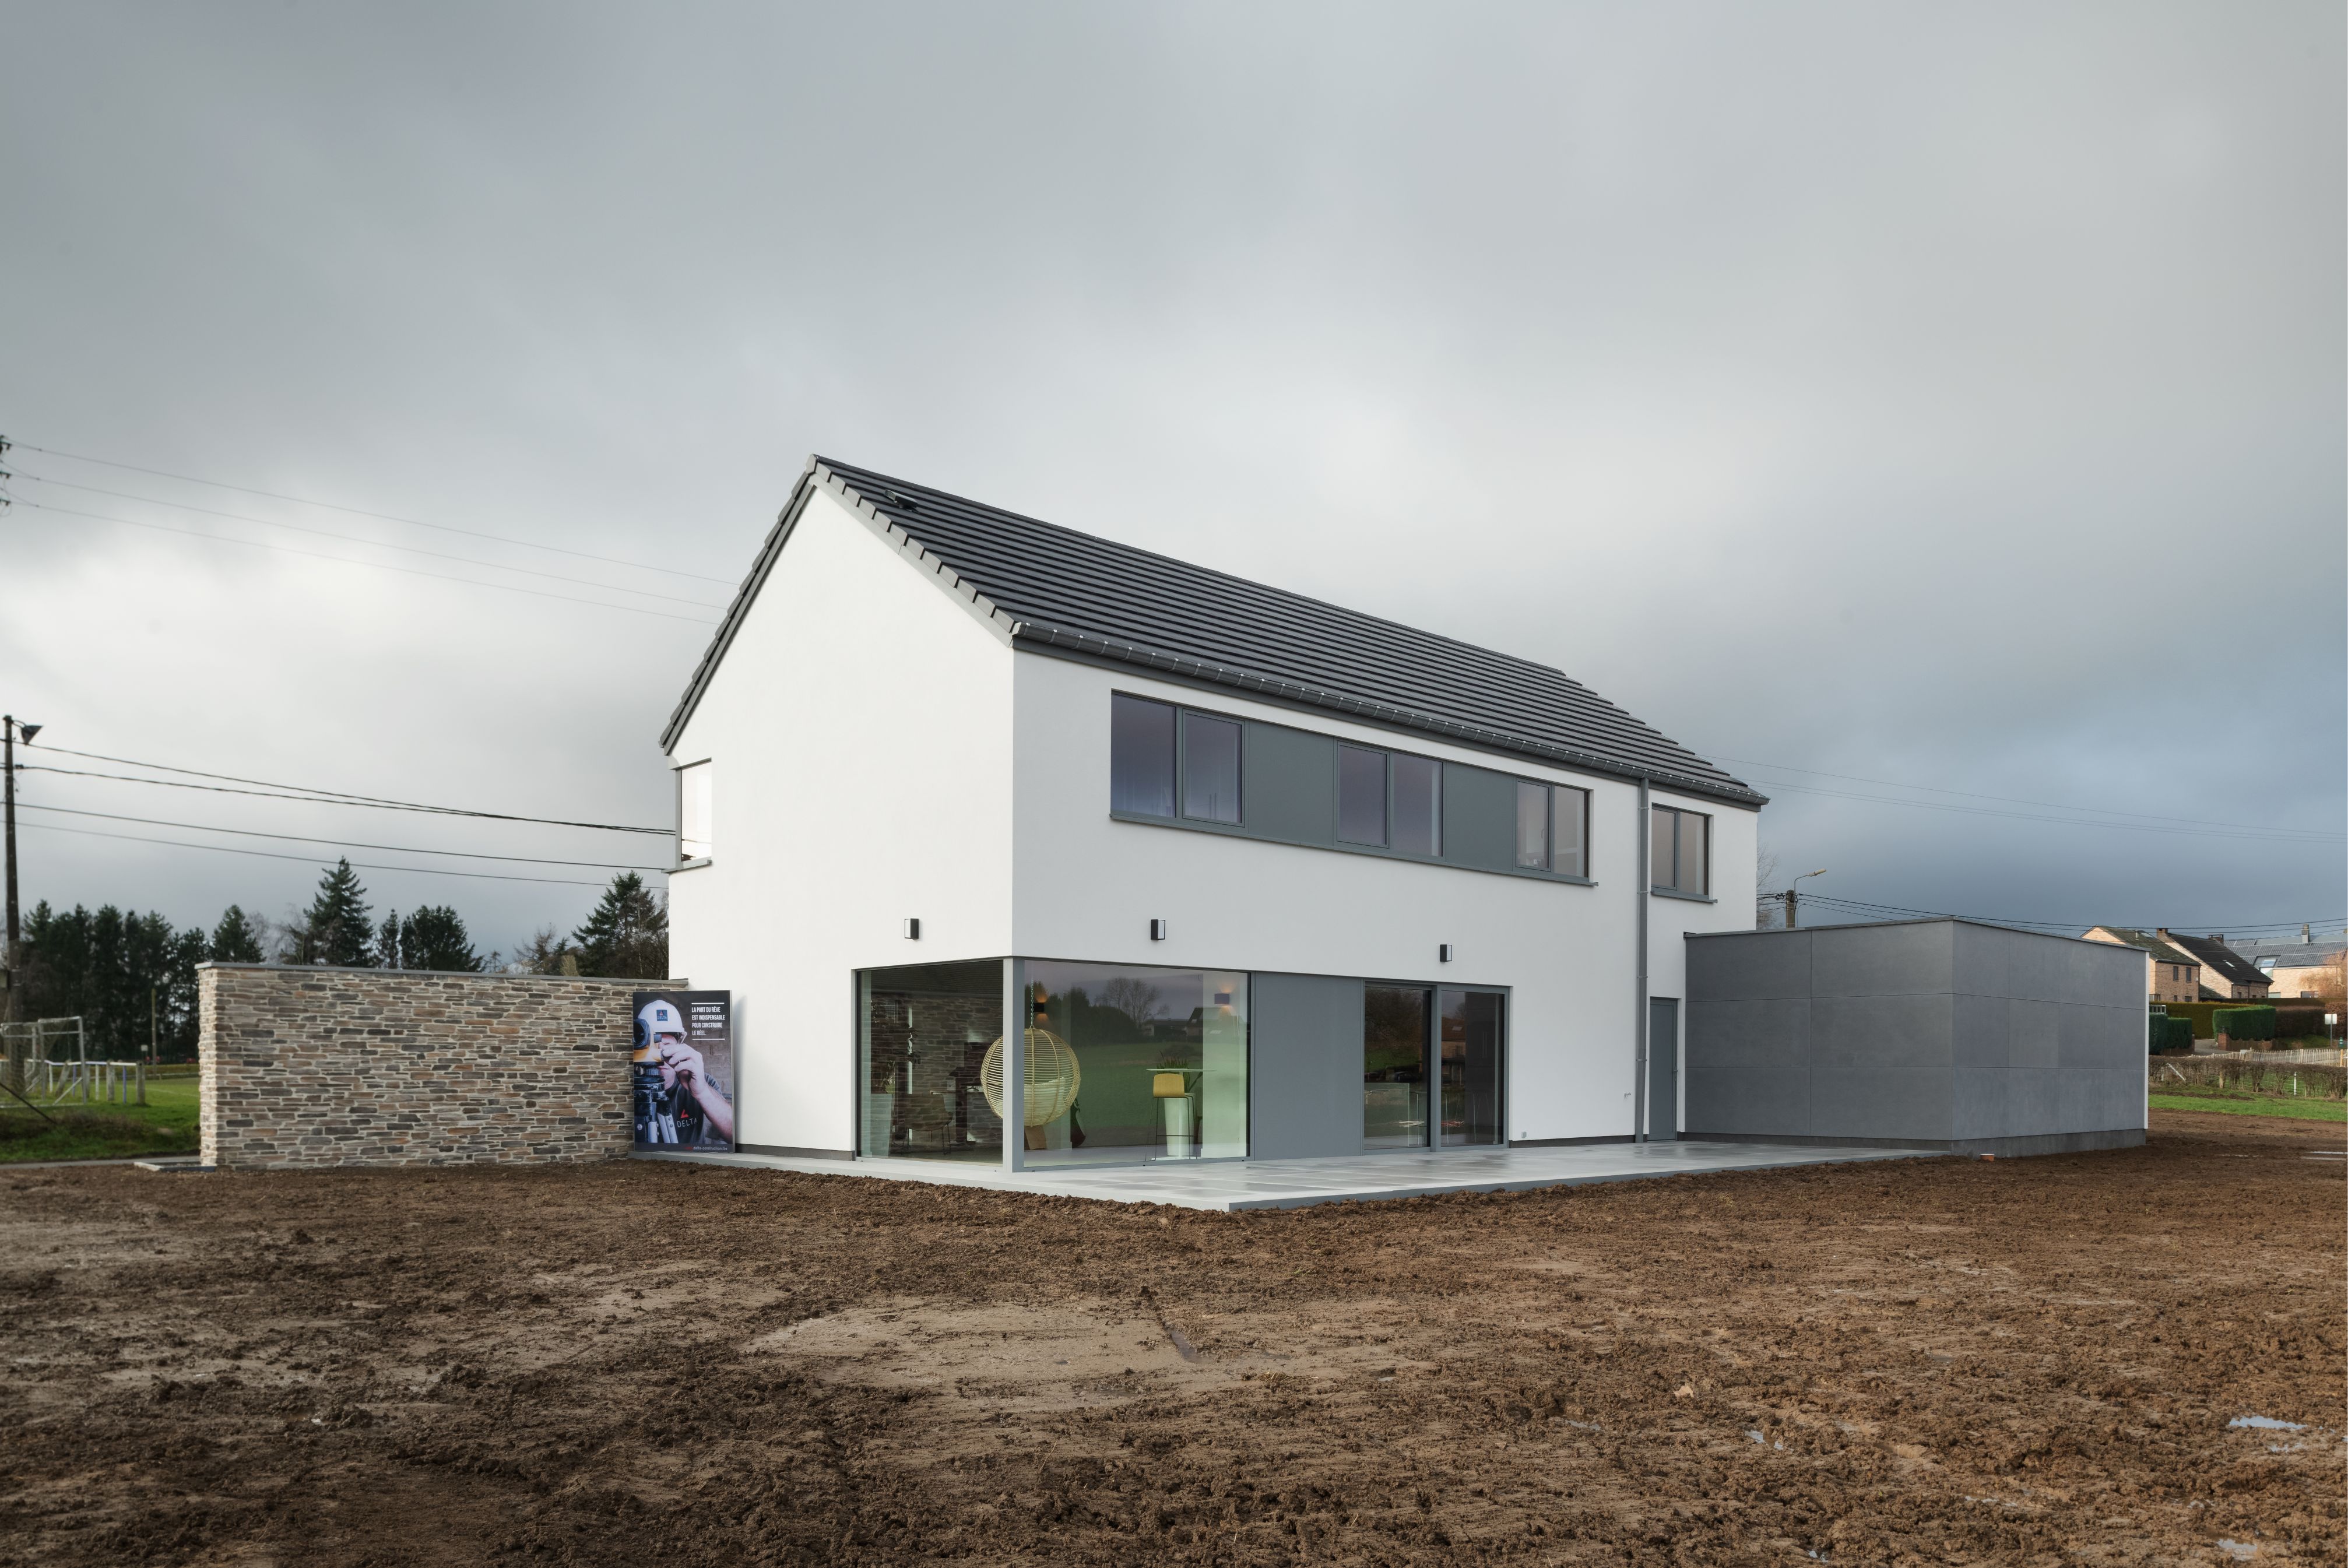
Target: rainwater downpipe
[{"x": 1641, "y": 835}]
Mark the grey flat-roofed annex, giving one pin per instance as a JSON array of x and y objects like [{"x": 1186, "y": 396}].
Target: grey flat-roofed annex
[
  {"x": 1940, "y": 1034},
  {"x": 1055, "y": 589}
]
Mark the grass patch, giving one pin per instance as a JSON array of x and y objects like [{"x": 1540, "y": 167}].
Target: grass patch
[
  {"x": 2228, "y": 1103},
  {"x": 166, "y": 1124}
]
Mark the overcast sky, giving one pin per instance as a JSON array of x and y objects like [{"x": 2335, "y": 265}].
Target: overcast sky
[{"x": 1948, "y": 397}]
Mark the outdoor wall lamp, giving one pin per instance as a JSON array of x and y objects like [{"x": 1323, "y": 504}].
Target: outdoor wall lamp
[
  {"x": 1443, "y": 952},
  {"x": 1157, "y": 931},
  {"x": 913, "y": 929}
]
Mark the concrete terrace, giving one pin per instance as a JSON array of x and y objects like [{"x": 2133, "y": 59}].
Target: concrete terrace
[{"x": 1234, "y": 1184}]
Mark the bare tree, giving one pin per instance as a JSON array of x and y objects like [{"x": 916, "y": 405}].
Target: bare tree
[{"x": 1768, "y": 912}]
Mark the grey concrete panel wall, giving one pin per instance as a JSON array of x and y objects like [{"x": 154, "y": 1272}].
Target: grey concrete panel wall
[
  {"x": 1981, "y": 1031},
  {"x": 1760, "y": 1101},
  {"x": 1936, "y": 1033},
  {"x": 303, "y": 1067},
  {"x": 1479, "y": 817},
  {"x": 1748, "y": 1034},
  {"x": 1899, "y": 1104},
  {"x": 1879, "y": 960},
  {"x": 1769, "y": 964},
  {"x": 1305, "y": 1066},
  {"x": 1291, "y": 784},
  {"x": 1881, "y": 1031}
]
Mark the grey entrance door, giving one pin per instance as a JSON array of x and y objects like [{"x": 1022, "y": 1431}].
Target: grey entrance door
[{"x": 1662, "y": 1067}]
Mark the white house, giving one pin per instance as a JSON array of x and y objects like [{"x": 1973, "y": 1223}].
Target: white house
[{"x": 1250, "y": 874}]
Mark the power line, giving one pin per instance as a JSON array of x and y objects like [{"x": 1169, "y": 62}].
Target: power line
[
  {"x": 338, "y": 844},
  {"x": 326, "y": 798},
  {"x": 312, "y": 860},
  {"x": 2274, "y": 836},
  {"x": 352, "y": 561},
  {"x": 2258, "y": 828},
  {"x": 372, "y": 543},
  {"x": 380, "y": 516},
  {"x": 1861, "y": 905}
]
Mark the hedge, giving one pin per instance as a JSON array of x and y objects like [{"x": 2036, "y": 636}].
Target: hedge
[
  {"x": 2244, "y": 1023},
  {"x": 2171, "y": 1034},
  {"x": 2300, "y": 1023}
]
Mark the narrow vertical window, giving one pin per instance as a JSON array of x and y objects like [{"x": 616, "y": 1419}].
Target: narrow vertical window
[
  {"x": 1683, "y": 842},
  {"x": 1660, "y": 822},
  {"x": 1140, "y": 757},
  {"x": 1533, "y": 826},
  {"x": 1361, "y": 796},
  {"x": 692, "y": 812},
  {"x": 1570, "y": 831},
  {"x": 1418, "y": 805},
  {"x": 1211, "y": 768}
]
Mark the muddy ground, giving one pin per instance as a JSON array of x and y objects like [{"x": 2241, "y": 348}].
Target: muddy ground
[{"x": 2030, "y": 1360}]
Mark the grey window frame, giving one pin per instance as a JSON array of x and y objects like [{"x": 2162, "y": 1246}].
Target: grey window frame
[
  {"x": 1442, "y": 856},
  {"x": 682, "y": 862},
  {"x": 1182, "y": 713},
  {"x": 1676, "y": 887},
  {"x": 1384, "y": 840}
]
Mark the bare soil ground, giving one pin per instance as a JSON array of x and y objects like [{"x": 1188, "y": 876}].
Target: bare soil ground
[{"x": 1942, "y": 1361}]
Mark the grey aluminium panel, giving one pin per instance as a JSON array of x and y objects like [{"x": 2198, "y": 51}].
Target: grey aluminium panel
[
  {"x": 1305, "y": 1066},
  {"x": 1479, "y": 816},
  {"x": 1771, "y": 1101},
  {"x": 1880, "y": 1031},
  {"x": 1750, "y": 965},
  {"x": 1875, "y": 960},
  {"x": 1748, "y": 1034},
  {"x": 1291, "y": 784}
]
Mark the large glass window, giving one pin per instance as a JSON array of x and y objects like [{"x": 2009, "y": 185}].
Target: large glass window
[
  {"x": 1471, "y": 1067},
  {"x": 1569, "y": 853},
  {"x": 692, "y": 835},
  {"x": 1682, "y": 851},
  {"x": 1140, "y": 757},
  {"x": 926, "y": 1031},
  {"x": 1156, "y": 1060},
  {"x": 1211, "y": 768},
  {"x": 1361, "y": 796},
  {"x": 1417, "y": 805},
  {"x": 1533, "y": 826},
  {"x": 1393, "y": 1067}
]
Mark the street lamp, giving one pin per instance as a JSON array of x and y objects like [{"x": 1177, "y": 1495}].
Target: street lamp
[{"x": 1793, "y": 895}]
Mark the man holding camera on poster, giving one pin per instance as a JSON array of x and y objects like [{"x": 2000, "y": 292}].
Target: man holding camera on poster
[{"x": 685, "y": 1101}]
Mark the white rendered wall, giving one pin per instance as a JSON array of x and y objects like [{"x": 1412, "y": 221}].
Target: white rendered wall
[
  {"x": 1736, "y": 847},
  {"x": 1086, "y": 888},
  {"x": 859, "y": 733}
]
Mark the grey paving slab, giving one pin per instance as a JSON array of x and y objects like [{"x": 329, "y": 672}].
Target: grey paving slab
[{"x": 1235, "y": 1185}]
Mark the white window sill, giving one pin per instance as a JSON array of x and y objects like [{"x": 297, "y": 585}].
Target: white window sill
[
  {"x": 688, "y": 865},
  {"x": 1674, "y": 893}
]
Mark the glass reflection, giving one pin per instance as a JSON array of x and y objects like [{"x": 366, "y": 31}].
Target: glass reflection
[
  {"x": 922, "y": 1035},
  {"x": 1471, "y": 1068},
  {"x": 1393, "y": 1068},
  {"x": 1162, "y": 1055}
]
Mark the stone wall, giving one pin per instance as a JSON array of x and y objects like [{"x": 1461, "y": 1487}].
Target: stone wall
[{"x": 304, "y": 1068}]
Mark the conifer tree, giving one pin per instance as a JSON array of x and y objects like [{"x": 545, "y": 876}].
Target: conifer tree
[
  {"x": 336, "y": 929},
  {"x": 627, "y": 936},
  {"x": 435, "y": 937},
  {"x": 233, "y": 940}
]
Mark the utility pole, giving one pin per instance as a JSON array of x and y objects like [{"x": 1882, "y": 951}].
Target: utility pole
[
  {"x": 1794, "y": 897},
  {"x": 9, "y": 730}
]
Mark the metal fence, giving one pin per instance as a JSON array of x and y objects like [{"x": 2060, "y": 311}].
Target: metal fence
[
  {"x": 46, "y": 1062},
  {"x": 2256, "y": 1071}
]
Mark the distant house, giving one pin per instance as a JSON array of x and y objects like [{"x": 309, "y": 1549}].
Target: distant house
[
  {"x": 2310, "y": 966},
  {"x": 2226, "y": 975},
  {"x": 2176, "y": 974}
]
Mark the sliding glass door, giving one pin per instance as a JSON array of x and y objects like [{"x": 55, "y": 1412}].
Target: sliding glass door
[{"x": 1432, "y": 1067}]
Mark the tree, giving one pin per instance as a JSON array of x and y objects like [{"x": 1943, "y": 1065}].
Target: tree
[
  {"x": 435, "y": 937},
  {"x": 1769, "y": 908},
  {"x": 234, "y": 940},
  {"x": 335, "y": 928},
  {"x": 546, "y": 952},
  {"x": 129, "y": 978},
  {"x": 627, "y": 936}
]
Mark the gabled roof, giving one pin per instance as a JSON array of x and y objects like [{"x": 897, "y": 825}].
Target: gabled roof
[
  {"x": 2240, "y": 971},
  {"x": 2162, "y": 951},
  {"x": 1048, "y": 589}
]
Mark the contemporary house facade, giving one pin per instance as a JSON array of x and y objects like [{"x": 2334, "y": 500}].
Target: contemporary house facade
[{"x": 1015, "y": 844}]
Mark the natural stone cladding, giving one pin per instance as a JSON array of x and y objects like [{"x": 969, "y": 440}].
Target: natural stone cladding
[{"x": 304, "y": 1068}]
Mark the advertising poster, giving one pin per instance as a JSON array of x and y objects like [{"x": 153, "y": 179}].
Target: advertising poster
[{"x": 684, "y": 1069}]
